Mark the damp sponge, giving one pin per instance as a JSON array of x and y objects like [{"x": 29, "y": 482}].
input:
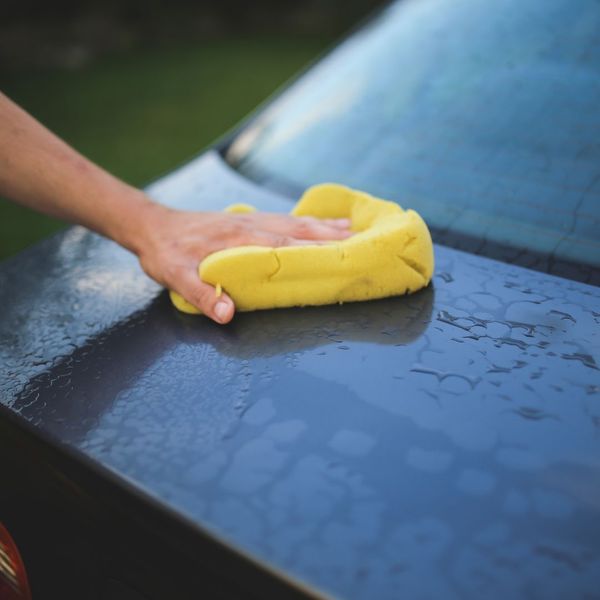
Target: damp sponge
[{"x": 390, "y": 253}]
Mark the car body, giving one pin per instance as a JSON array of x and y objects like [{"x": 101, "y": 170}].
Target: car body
[{"x": 439, "y": 445}]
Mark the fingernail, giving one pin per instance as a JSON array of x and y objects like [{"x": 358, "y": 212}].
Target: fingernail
[{"x": 221, "y": 311}]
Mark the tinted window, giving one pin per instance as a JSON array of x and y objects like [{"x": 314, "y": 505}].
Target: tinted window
[{"x": 484, "y": 116}]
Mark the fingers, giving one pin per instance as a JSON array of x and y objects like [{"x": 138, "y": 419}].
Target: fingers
[
  {"x": 187, "y": 238},
  {"x": 310, "y": 228},
  {"x": 271, "y": 240},
  {"x": 314, "y": 229},
  {"x": 304, "y": 228},
  {"x": 339, "y": 223},
  {"x": 203, "y": 296}
]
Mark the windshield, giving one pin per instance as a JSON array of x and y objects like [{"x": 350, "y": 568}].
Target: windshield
[{"x": 483, "y": 116}]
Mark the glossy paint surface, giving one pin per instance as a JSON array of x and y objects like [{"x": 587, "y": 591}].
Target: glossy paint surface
[{"x": 445, "y": 444}]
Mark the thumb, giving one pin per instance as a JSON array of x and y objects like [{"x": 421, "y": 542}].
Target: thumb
[{"x": 204, "y": 297}]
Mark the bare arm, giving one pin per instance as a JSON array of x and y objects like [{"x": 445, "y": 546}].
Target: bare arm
[{"x": 39, "y": 170}]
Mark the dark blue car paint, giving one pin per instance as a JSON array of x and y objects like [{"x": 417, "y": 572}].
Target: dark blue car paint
[{"x": 444, "y": 444}]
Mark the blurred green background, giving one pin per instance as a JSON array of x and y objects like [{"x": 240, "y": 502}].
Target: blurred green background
[{"x": 141, "y": 87}]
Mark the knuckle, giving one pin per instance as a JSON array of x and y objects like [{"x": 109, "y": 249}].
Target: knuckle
[
  {"x": 174, "y": 245},
  {"x": 239, "y": 225},
  {"x": 229, "y": 231},
  {"x": 244, "y": 239},
  {"x": 281, "y": 240},
  {"x": 201, "y": 298},
  {"x": 303, "y": 229},
  {"x": 171, "y": 271}
]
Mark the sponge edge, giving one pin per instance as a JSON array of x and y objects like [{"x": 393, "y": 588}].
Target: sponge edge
[{"x": 390, "y": 253}]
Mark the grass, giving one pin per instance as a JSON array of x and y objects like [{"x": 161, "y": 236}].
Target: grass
[{"x": 142, "y": 113}]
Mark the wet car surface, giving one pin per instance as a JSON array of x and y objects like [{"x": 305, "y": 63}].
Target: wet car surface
[{"x": 442, "y": 444}]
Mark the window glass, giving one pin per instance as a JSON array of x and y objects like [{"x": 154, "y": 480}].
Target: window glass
[{"x": 483, "y": 116}]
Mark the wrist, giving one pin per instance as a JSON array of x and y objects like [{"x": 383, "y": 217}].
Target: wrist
[{"x": 137, "y": 221}]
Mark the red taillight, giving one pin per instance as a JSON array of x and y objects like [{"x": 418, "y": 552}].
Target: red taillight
[{"x": 13, "y": 579}]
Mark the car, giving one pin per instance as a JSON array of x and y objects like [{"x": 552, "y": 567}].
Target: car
[{"x": 443, "y": 444}]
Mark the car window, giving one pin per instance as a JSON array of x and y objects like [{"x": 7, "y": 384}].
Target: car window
[{"x": 483, "y": 116}]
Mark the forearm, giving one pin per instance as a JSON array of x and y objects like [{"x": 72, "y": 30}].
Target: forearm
[{"x": 40, "y": 171}]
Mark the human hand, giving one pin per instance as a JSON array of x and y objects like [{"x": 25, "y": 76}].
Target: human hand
[
  {"x": 39, "y": 170},
  {"x": 173, "y": 243}
]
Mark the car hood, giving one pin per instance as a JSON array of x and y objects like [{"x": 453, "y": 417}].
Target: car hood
[{"x": 445, "y": 443}]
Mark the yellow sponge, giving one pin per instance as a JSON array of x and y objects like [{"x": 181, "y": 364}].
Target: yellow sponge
[{"x": 389, "y": 254}]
